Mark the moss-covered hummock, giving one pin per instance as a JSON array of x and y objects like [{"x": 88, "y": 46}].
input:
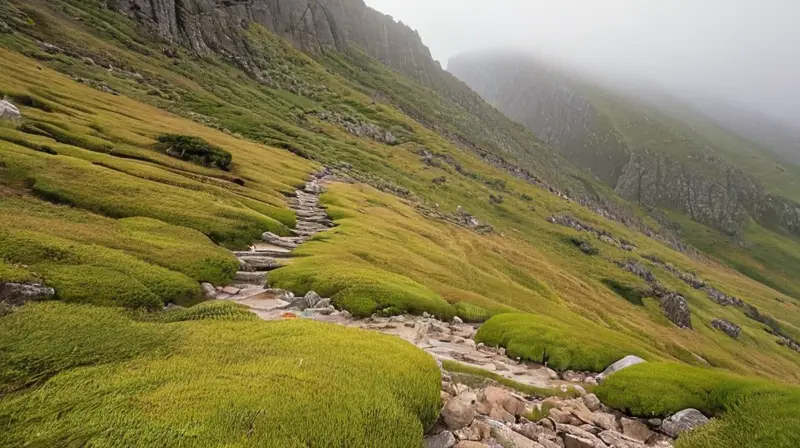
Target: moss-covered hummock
[
  {"x": 77, "y": 375},
  {"x": 749, "y": 412}
]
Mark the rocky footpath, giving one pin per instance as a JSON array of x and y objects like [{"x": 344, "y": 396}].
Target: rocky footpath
[
  {"x": 275, "y": 251},
  {"x": 491, "y": 415}
]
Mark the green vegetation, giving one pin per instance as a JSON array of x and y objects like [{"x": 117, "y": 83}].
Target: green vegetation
[
  {"x": 196, "y": 150},
  {"x": 103, "y": 379},
  {"x": 632, "y": 294},
  {"x": 112, "y": 220},
  {"x": 541, "y": 339},
  {"x": 539, "y": 392},
  {"x": 750, "y": 412}
]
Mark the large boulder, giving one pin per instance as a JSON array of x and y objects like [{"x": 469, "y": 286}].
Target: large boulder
[
  {"x": 623, "y": 363},
  {"x": 457, "y": 414},
  {"x": 683, "y": 421},
  {"x": 18, "y": 293}
]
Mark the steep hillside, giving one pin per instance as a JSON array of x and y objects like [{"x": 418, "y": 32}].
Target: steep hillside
[
  {"x": 145, "y": 151},
  {"x": 656, "y": 152}
]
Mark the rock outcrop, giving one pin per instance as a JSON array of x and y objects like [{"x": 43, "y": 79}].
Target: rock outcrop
[
  {"x": 727, "y": 327},
  {"x": 16, "y": 294},
  {"x": 211, "y": 26}
]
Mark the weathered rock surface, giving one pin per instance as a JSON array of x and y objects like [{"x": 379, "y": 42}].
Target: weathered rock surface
[
  {"x": 19, "y": 293},
  {"x": 457, "y": 413},
  {"x": 8, "y": 111},
  {"x": 729, "y": 328},
  {"x": 683, "y": 421},
  {"x": 676, "y": 309},
  {"x": 444, "y": 439}
]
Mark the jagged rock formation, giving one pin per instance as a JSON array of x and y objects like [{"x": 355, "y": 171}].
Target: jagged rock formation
[
  {"x": 627, "y": 144},
  {"x": 207, "y": 26}
]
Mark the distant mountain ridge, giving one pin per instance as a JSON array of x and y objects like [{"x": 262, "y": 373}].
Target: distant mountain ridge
[{"x": 646, "y": 152}]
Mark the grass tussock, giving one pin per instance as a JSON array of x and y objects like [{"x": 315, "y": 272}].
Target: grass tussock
[
  {"x": 749, "y": 412},
  {"x": 104, "y": 379}
]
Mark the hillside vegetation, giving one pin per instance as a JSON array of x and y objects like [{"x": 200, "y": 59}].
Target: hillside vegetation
[{"x": 92, "y": 204}]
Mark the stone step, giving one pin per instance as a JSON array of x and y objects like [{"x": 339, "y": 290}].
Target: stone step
[
  {"x": 320, "y": 219},
  {"x": 283, "y": 253},
  {"x": 253, "y": 278},
  {"x": 282, "y": 241},
  {"x": 308, "y": 233},
  {"x": 257, "y": 263},
  {"x": 311, "y": 226}
]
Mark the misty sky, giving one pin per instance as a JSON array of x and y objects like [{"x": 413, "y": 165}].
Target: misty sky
[{"x": 743, "y": 50}]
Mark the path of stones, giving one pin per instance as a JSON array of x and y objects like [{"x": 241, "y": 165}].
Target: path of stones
[{"x": 488, "y": 416}]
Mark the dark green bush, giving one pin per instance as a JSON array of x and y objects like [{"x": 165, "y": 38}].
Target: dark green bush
[{"x": 196, "y": 150}]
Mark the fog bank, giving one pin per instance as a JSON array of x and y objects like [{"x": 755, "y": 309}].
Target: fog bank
[{"x": 743, "y": 51}]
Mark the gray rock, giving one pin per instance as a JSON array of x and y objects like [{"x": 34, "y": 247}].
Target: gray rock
[
  {"x": 683, "y": 421},
  {"x": 9, "y": 111},
  {"x": 457, "y": 414},
  {"x": 676, "y": 309},
  {"x": 324, "y": 303},
  {"x": 19, "y": 293},
  {"x": 209, "y": 290},
  {"x": 617, "y": 440},
  {"x": 729, "y": 328},
  {"x": 623, "y": 363},
  {"x": 444, "y": 439},
  {"x": 312, "y": 298},
  {"x": 592, "y": 402},
  {"x": 457, "y": 320}
]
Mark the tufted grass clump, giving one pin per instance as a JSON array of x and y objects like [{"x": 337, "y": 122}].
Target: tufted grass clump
[
  {"x": 103, "y": 379},
  {"x": 749, "y": 412},
  {"x": 214, "y": 310},
  {"x": 546, "y": 340},
  {"x": 195, "y": 150}
]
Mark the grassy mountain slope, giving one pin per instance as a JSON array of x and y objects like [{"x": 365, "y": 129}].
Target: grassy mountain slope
[
  {"x": 659, "y": 152},
  {"x": 111, "y": 219}
]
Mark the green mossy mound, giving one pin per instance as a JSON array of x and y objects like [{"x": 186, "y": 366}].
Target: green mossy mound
[
  {"x": 105, "y": 380},
  {"x": 749, "y": 412},
  {"x": 543, "y": 339}
]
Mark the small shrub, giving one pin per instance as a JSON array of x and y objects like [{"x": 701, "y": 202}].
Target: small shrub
[
  {"x": 215, "y": 310},
  {"x": 196, "y": 150},
  {"x": 632, "y": 294},
  {"x": 584, "y": 246}
]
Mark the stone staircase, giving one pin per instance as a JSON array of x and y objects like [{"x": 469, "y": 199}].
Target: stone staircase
[{"x": 275, "y": 251}]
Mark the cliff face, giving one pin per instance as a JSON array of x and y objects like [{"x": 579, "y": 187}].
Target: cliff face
[
  {"x": 631, "y": 148},
  {"x": 547, "y": 105},
  {"x": 212, "y": 26}
]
